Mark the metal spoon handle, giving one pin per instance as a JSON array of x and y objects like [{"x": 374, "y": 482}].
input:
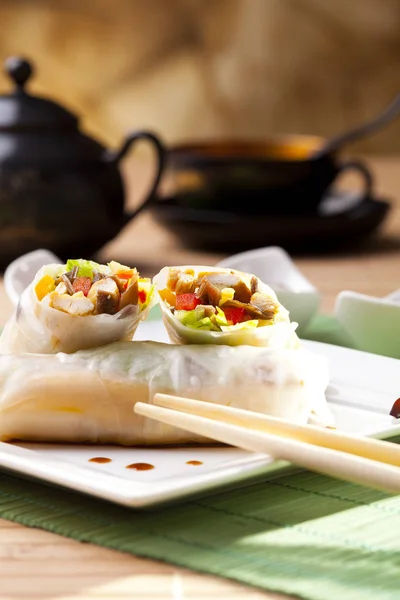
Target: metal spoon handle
[{"x": 385, "y": 117}]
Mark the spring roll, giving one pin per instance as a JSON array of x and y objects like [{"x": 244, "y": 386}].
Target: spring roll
[
  {"x": 210, "y": 305},
  {"x": 76, "y": 306},
  {"x": 89, "y": 396}
]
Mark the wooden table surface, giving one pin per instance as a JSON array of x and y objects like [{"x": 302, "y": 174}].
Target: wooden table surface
[{"x": 37, "y": 564}]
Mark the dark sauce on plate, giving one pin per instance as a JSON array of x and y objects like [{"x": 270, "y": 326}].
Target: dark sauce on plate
[{"x": 140, "y": 466}]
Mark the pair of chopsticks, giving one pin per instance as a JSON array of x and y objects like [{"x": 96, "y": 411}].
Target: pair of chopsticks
[{"x": 366, "y": 461}]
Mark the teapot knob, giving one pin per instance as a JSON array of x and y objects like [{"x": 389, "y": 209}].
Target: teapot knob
[{"x": 19, "y": 70}]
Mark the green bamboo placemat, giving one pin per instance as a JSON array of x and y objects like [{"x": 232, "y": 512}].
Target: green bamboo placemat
[{"x": 303, "y": 534}]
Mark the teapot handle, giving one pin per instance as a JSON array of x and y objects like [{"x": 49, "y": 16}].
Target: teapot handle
[{"x": 114, "y": 157}]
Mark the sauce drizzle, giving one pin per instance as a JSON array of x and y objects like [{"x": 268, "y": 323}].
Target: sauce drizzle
[
  {"x": 194, "y": 463},
  {"x": 140, "y": 466},
  {"x": 100, "y": 459}
]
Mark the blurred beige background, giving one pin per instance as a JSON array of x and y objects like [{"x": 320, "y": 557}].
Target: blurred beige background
[{"x": 212, "y": 68}]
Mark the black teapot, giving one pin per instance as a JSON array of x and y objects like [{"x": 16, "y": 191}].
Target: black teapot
[{"x": 59, "y": 189}]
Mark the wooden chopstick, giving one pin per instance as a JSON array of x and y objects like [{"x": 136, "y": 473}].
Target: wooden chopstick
[
  {"x": 327, "y": 461},
  {"x": 385, "y": 452}
]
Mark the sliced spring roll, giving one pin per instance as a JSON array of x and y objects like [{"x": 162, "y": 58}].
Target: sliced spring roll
[
  {"x": 210, "y": 305},
  {"x": 78, "y": 305},
  {"x": 89, "y": 396}
]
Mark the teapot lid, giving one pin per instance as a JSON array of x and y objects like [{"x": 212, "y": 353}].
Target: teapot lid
[{"x": 19, "y": 110}]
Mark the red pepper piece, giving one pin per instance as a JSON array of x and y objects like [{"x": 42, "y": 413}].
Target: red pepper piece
[
  {"x": 82, "y": 284},
  {"x": 125, "y": 275},
  {"x": 187, "y": 301},
  {"x": 395, "y": 412},
  {"x": 142, "y": 296},
  {"x": 234, "y": 315}
]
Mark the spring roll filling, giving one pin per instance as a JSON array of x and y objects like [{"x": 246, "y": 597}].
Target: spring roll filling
[
  {"x": 84, "y": 287},
  {"x": 217, "y": 301}
]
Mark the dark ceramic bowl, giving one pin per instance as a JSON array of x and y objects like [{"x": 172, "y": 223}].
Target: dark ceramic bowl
[{"x": 283, "y": 175}]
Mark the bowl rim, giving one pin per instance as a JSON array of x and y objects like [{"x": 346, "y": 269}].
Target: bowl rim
[{"x": 269, "y": 149}]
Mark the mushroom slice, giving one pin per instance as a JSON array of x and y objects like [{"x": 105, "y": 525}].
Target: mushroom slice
[
  {"x": 97, "y": 276},
  {"x": 207, "y": 309},
  {"x": 67, "y": 282},
  {"x": 131, "y": 295},
  {"x": 264, "y": 308},
  {"x": 254, "y": 284},
  {"x": 266, "y": 305},
  {"x": 105, "y": 296},
  {"x": 72, "y": 274},
  {"x": 106, "y": 303},
  {"x": 117, "y": 280},
  {"x": 251, "y": 310},
  {"x": 231, "y": 280},
  {"x": 208, "y": 292}
]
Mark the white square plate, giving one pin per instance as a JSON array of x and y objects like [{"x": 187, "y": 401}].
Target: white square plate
[{"x": 362, "y": 390}]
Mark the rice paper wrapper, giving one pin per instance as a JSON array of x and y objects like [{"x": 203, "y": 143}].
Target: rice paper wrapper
[
  {"x": 279, "y": 335},
  {"x": 89, "y": 396},
  {"x": 36, "y": 327}
]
